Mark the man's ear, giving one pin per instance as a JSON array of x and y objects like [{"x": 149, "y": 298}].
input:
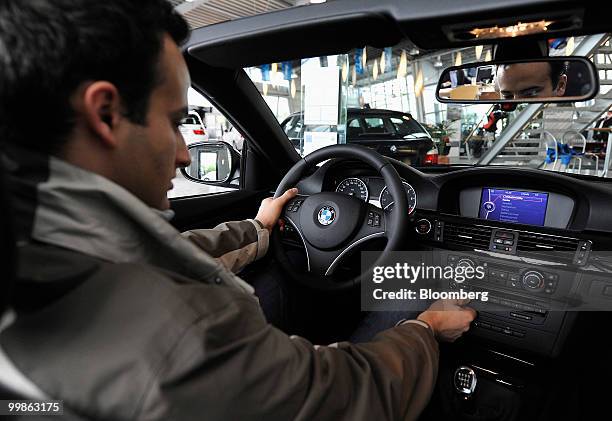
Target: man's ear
[
  {"x": 101, "y": 110},
  {"x": 561, "y": 85}
]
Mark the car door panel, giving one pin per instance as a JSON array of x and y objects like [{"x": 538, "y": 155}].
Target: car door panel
[{"x": 212, "y": 209}]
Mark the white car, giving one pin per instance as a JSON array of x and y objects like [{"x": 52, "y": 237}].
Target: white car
[{"x": 193, "y": 129}]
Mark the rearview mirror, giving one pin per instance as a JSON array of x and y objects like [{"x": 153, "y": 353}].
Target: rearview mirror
[
  {"x": 546, "y": 79},
  {"x": 211, "y": 162}
]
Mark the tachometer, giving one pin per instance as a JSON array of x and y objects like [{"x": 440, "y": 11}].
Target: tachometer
[
  {"x": 354, "y": 187},
  {"x": 386, "y": 201}
]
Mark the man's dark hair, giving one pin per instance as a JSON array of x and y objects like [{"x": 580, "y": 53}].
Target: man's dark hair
[{"x": 49, "y": 47}]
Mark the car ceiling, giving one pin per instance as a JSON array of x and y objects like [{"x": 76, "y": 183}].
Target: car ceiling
[
  {"x": 200, "y": 13},
  {"x": 339, "y": 26}
]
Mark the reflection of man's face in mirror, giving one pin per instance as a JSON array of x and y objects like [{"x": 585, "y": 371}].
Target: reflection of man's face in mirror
[{"x": 531, "y": 80}]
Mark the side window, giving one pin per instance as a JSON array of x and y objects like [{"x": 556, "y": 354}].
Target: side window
[
  {"x": 203, "y": 129},
  {"x": 405, "y": 126},
  {"x": 354, "y": 128},
  {"x": 374, "y": 125}
]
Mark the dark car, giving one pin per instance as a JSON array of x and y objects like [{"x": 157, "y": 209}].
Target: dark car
[{"x": 391, "y": 133}]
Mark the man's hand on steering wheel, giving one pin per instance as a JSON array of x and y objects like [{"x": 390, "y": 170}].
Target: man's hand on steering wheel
[{"x": 270, "y": 209}]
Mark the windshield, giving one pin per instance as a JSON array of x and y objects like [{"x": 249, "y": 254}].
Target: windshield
[{"x": 385, "y": 99}]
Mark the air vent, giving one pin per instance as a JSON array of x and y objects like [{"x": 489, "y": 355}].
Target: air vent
[
  {"x": 546, "y": 243},
  {"x": 476, "y": 236}
]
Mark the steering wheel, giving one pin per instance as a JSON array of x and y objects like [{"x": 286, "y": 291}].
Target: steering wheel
[{"x": 331, "y": 224}]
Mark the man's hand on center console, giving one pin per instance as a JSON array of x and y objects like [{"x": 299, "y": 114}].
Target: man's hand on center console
[{"x": 449, "y": 319}]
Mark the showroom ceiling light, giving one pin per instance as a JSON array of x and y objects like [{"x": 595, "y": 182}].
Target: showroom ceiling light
[
  {"x": 402, "y": 69},
  {"x": 488, "y": 56},
  {"x": 293, "y": 88},
  {"x": 274, "y": 67},
  {"x": 418, "y": 84},
  {"x": 354, "y": 76},
  {"x": 383, "y": 63},
  {"x": 265, "y": 89},
  {"x": 458, "y": 59},
  {"x": 478, "y": 49},
  {"x": 344, "y": 71},
  {"x": 375, "y": 69},
  {"x": 317, "y": 1}
]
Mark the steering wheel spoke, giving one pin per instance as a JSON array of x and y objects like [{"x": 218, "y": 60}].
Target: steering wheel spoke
[{"x": 292, "y": 212}]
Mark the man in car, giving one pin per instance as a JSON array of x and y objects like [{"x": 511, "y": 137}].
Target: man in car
[
  {"x": 118, "y": 314},
  {"x": 531, "y": 80}
]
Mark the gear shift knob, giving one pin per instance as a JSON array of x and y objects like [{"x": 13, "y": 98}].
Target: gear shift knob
[{"x": 465, "y": 381}]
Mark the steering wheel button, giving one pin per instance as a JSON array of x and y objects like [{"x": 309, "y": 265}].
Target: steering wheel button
[{"x": 370, "y": 222}]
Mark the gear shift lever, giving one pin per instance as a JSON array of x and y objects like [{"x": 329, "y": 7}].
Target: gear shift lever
[{"x": 465, "y": 381}]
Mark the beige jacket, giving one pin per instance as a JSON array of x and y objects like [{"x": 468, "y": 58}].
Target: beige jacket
[{"x": 126, "y": 332}]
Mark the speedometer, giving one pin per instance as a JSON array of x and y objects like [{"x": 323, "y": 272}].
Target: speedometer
[
  {"x": 354, "y": 187},
  {"x": 386, "y": 200}
]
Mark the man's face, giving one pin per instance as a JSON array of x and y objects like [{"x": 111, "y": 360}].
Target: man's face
[
  {"x": 528, "y": 80},
  {"x": 152, "y": 153}
]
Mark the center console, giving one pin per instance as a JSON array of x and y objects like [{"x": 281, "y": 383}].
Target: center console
[
  {"x": 530, "y": 272},
  {"x": 525, "y": 302}
]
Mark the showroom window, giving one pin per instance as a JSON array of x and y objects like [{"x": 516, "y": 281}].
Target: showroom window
[
  {"x": 314, "y": 92},
  {"x": 216, "y": 150}
]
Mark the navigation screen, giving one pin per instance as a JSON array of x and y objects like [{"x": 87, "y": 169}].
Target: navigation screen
[{"x": 520, "y": 207}]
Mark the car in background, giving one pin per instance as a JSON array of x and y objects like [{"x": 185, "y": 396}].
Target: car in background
[
  {"x": 391, "y": 133},
  {"x": 193, "y": 129}
]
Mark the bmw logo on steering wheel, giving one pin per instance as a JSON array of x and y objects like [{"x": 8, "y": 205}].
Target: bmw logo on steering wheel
[{"x": 326, "y": 215}]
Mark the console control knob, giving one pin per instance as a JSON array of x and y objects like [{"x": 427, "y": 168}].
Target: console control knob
[
  {"x": 465, "y": 262},
  {"x": 532, "y": 279},
  {"x": 423, "y": 226}
]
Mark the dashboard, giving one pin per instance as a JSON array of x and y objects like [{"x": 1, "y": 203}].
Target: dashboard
[{"x": 542, "y": 236}]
